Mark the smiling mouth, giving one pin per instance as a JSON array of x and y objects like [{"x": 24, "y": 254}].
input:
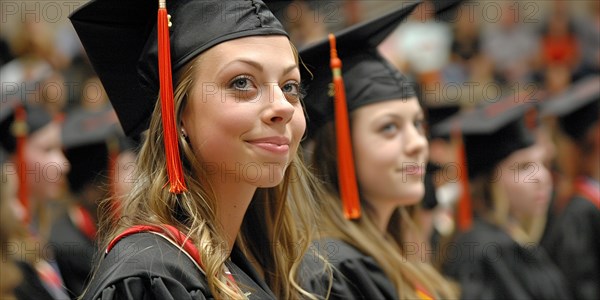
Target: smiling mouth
[
  {"x": 277, "y": 145},
  {"x": 412, "y": 171}
]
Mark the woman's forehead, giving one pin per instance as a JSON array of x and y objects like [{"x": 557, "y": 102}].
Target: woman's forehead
[
  {"x": 254, "y": 48},
  {"x": 403, "y": 107}
]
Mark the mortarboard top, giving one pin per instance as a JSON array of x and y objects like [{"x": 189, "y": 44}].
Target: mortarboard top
[
  {"x": 36, "y": 118},
  {"x": 491, "y": 132},
  {"x": 577, "y": 108},
  {"x": 436, "y": 114},
  {"x": 87, "y": 137},
  {"x": 369, "y": 77},
  {"x": 120, "y": 38},
  {"x": 279, "y": 8},
  {"x": 83, "y": 127}
]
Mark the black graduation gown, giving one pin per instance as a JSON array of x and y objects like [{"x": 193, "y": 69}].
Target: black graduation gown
[
  {"x": 74, "y": 253},
  {"x": 489, "y": 264},
  {"x": 573, "y": 242},
  {"x": 146, "y": 266},
  {"x": 355, "y": 276},
  {"x": 31, "y": 287}
]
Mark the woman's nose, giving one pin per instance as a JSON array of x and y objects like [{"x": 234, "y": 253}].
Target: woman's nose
[{"x": 280, "y": 110}]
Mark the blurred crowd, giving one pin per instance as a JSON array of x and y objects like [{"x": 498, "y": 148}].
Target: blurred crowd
[{"x": 485, "y": 50}]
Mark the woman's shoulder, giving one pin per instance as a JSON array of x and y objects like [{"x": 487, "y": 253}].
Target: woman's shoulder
[
  {"x": 581, "y": 209},
  {"x": 354, "y": 274},
  {"x": 484, "y": 235},
  {"x": 482, "y": 244},
  {"x": 338, "y": 251},
  {"x": 147, "y": 266}
]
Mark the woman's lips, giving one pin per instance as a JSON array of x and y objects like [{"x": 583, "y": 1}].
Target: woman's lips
[{"x": 274, "y": 144}]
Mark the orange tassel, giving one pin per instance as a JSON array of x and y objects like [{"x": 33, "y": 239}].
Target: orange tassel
[
  {"x": 174, "y": 166},
  {"x": 465, "y": 209},
  {"x": 20, "y": 130},
  {"x": 346, "y": 173}
]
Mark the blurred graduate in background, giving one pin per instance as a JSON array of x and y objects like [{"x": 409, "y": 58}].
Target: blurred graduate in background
[
  {"x": 573, "y": 235},
  {"x": 496, "y": 253},
  {"x": 32, "y": 141},
  {"x": 93, "y": 142}
]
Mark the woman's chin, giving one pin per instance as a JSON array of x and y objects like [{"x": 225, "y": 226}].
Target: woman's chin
[
  {"x": 412, "y": 194},
  {"x": 267, "y": 178}
]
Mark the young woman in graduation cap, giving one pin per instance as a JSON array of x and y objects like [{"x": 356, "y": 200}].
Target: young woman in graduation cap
[
  {"x": 36, "y": 165},
  {"x": 573, "y": 236},
  {"x": 368, "y": 145},
  {"x": 221, "y": 204},
  {"x": 495, "y": 255}
]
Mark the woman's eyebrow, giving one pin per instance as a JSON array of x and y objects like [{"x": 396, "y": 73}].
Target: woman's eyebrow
[
  {"x": 258, "y": 66},
  {"x": 290, "y": 69}
]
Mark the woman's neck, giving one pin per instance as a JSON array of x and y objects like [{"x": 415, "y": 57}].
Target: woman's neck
[
  {"x": 382, "y": 213},
  {"x": 232, "y": 203}
]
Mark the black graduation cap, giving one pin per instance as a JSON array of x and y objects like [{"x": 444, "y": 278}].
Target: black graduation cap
[
  {"x": 430, "y": 200},
  {"x": 436, "y": 114},
  {"x": 491, "y": 132},
  {"x": 279, "y": 8},
  {"x": 120, "y": 38},
  {"x": 137, "y": 49},
  {"x": 369, "y": 77},
  {"x": 578, "y": 108},
  {"x": 36, "y": 118},
  {"x": 84, "y": 126},
  {"x": 89, "y": 138}
]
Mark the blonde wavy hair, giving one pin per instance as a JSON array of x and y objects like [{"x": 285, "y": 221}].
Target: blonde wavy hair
[
  {"x": 364, "y": 234},
  {"x": 277, "y": 229}
]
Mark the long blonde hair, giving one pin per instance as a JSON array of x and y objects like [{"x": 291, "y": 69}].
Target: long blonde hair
[
  {"x": 364, "y": 234},
  {"x": 277, "y": 228}
]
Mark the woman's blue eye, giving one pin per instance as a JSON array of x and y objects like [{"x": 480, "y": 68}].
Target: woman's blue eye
[
  {"x": 292, "y": 91},
  {"x": 241, "y": 83},
  {"x": 389, "y": 128},
  {"x": 420, "y": 125},
  {"x": 291, "y": 87}
]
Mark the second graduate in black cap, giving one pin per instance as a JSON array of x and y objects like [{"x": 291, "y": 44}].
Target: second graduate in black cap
[
  {"x": 221, "y": 204},
  {"x": 386, "y": 143}
]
